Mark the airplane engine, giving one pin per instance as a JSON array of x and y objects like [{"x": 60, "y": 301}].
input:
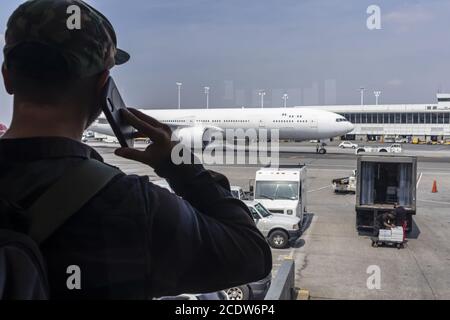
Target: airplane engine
[{"x": 195, "y": 137}]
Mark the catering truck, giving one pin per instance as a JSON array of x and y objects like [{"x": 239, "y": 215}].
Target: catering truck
[
  {"x": 282, "y": 190},
  {"x": 383, "y": 181}
]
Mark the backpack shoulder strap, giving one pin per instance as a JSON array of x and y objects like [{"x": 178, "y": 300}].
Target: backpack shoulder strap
[{"x": 66, "y": 196}]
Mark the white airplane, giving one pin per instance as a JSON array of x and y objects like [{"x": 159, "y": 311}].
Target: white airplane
[{"x": 194, "y": 125}]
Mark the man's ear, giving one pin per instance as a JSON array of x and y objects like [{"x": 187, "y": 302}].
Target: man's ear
[
  {"x": 95, "y": 109},
  {"x": 7, "y": 80},
  {"x": 102, "y": 81}
]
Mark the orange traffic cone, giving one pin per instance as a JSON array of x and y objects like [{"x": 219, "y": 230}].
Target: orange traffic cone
[{"x": 434, "y": 189}]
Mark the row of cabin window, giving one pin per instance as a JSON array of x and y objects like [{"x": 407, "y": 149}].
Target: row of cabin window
[
  {"x": 290, "y": 121},
  {"x": 237, "y": 121},
  {"x": 214, "y": 121}
]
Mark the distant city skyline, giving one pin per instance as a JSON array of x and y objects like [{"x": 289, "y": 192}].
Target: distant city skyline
[{"x": 317, "y": 52}]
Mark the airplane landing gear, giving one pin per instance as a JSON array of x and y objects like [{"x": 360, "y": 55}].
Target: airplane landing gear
[{"x": 320, "y": 149}]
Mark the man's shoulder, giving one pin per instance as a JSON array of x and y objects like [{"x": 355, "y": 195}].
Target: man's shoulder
[
  {"x": 129, "y": 184},
  {"x": 124, "y": 197},
  {"x": 121, "y": 178}
]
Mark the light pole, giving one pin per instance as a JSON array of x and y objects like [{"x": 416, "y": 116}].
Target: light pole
[
  {"x": 179, "y": 84},
  {"x": 207, "y": 96},
  {"x": 262, "y": 93},
  {"x": 377, "y": 95},
  {"x": 362, "y": 95},
  {"x": 285, "y": 98}
]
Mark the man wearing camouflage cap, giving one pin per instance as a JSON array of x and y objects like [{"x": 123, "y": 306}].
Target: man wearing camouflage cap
[{"x": 132, "y": 239}]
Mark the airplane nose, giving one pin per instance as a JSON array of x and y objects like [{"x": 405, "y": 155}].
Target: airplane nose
[{"x": 350, "y": 126}]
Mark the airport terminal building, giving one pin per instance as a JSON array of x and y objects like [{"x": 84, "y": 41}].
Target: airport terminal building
[{"x": 426, "y": 122}]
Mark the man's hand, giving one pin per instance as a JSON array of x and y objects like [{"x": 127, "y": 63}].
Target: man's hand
[{"x": 159, "y": 133}]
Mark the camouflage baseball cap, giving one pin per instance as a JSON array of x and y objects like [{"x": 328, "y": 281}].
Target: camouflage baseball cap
[{"x": 88, "y": 50}]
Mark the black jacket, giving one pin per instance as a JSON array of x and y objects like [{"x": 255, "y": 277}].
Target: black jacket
[{"x": 134, "y": 239}]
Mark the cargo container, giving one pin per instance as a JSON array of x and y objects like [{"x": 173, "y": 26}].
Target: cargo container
[{"x": 382, "y": 182}]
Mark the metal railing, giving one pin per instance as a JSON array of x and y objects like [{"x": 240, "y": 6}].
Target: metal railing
[{"x": 283, "y": 285}]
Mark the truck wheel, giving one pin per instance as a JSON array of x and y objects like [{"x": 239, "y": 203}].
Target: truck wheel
[
  {"x": 278, "y": 239},
  {"x": 383, "y": 150},
  {"x": 238, "y": 293},
  {"x": 322, "y": 151}
]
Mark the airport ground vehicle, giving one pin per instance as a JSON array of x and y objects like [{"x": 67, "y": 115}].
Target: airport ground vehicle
[
  {"x": 395, "y": 139},
  {"x": 282, "y": 189},
  {"x": 237, "y": 192},
  {"x": 346, "y": 184},
  {"x": 279, "y": 229},
  {"x": 389, "y": 138},
  {"x": 348, "y": 144},
  {"x": 89, "y": 134},
  {"x": 252, "y": 291},
  {"x": 381, "y": 182},
  {"x": 393, "y": 148},
  {"x": 401, "y": 140}
]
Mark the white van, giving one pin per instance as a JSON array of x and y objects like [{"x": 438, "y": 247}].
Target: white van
[
  {"x": 237, "y": 192},
  {"x": 282, "y": 190}
]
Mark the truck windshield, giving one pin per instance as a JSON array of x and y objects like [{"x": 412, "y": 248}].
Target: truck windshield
[
  {"x": 262, "y": 211},
  {"x": 277, "y": 190}
]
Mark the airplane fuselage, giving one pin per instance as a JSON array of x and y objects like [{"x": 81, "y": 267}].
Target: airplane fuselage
[{"x": 291, "y": 123}]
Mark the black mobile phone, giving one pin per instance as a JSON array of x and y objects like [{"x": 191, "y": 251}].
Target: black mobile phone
[{"x": 112, "y": 103}]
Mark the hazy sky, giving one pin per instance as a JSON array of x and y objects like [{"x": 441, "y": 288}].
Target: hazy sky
[{"x": 318, "y": 51}]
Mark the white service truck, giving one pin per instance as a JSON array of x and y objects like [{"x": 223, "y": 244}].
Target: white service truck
[
  {"x": 282, "y": 190},
  {"x": 393, "y": 148}
]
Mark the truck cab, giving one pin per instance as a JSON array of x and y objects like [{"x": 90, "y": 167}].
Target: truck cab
[
  {"x": 282, "y": 190},
  {"x": 237, "y": 192},
  {"x": 279, "y": 229}
]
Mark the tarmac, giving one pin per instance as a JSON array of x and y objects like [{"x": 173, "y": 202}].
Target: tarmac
[{"x": 332, "y": 260}]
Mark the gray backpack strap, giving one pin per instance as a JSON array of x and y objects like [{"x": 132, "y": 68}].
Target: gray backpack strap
[{"x": 66, "y": 196}]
